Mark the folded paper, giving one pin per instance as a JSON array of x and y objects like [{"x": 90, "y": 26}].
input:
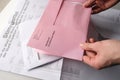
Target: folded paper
[{"x": 63, "y": 26}]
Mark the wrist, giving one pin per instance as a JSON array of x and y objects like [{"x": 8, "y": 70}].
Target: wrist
[{"x": 117, "y": 59}]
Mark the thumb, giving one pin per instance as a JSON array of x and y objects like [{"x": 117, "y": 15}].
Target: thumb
[{"x": 89, "y": 46}]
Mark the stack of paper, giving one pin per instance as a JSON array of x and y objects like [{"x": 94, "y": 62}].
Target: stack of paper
[{"x": 19, "y": 19}]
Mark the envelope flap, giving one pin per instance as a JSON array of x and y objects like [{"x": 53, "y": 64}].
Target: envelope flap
[{"x": 51, "y": 12}]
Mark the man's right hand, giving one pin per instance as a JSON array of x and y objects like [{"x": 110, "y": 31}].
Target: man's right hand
[{"x": 101, "y": 53}]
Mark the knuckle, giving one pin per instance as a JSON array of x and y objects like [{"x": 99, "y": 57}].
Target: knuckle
[{"x": 91, "y": 1}]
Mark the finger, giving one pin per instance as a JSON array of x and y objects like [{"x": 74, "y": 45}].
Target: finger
[
  {"x": 89, "y": 3},
  {"x": 90, "y": 54},
  {"x": 101, "y": 4},
  {"x": 91, "y": 40},
  {"x": 111, "y": 3},
  {"x": 88, "y": 46},
  {"x": 90, "y": 62},
  {"x": 96, "y": 9},
  {"x": 87, "y": 60}
]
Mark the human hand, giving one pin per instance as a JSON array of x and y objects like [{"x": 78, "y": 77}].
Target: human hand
[
  {"x": 102, "y": 53},
  {"x": 100, "y": 5}
]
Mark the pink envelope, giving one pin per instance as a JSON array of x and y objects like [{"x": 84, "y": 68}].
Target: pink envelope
[{"x": 63, "y": 26}]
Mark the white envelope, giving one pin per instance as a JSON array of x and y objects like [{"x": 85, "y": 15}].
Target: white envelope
[{"x": 32, "y": 58}]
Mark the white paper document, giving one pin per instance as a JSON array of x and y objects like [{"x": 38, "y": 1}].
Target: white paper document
[
  {"x": 6, "y": 13},
  {"x": 11, "y": 51},
  {"x": 32, "y": 57}
]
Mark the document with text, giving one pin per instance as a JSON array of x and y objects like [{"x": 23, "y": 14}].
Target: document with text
[{"x": 11, "y": 52}]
